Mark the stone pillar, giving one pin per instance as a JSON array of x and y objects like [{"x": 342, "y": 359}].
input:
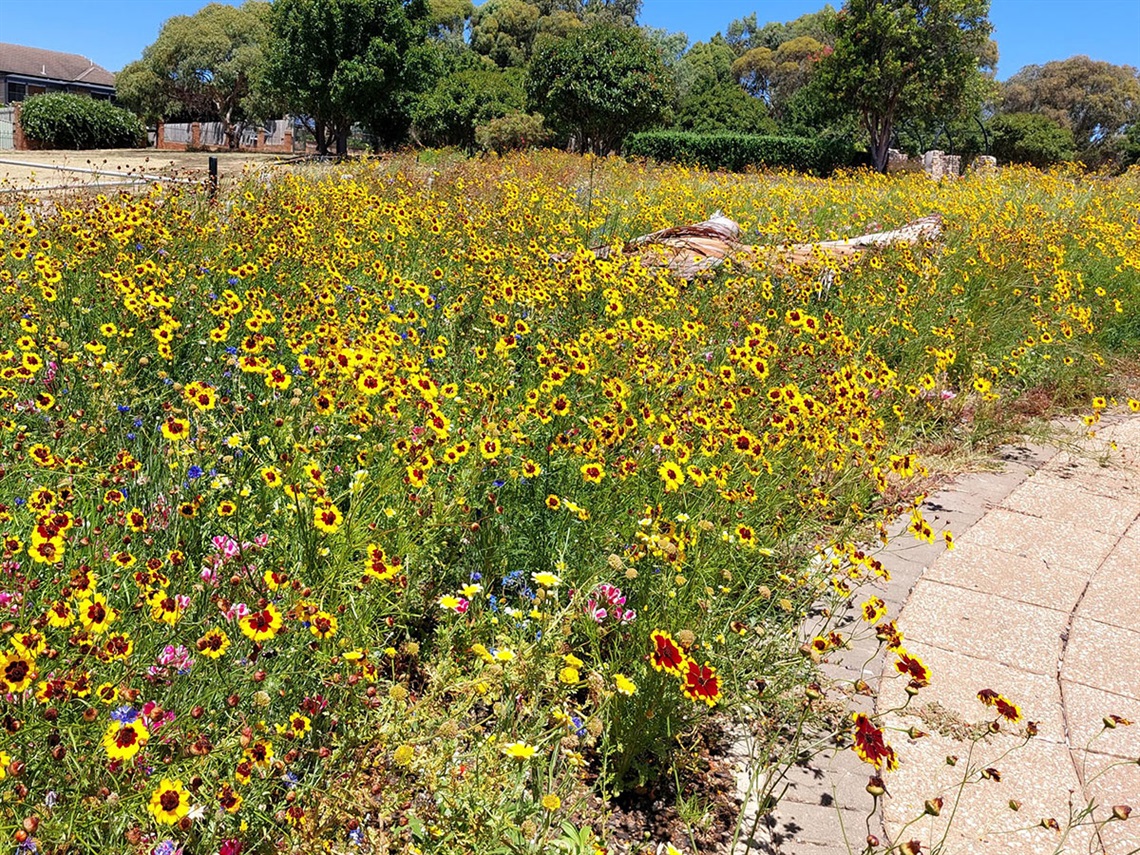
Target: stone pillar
[
  {"x": 260, "y": 139},
  {"x": 160, "y": 136},
  {"x": 287, "y": 146},
  {"x": 196, "y": 135},
  {"x": 984, "y": 163},
  {"x": 951, "y": 166},
  {"x": 19, "y": 141},
  {"x": 932, "y": 163},
  {"x": 896, "y": 160}
]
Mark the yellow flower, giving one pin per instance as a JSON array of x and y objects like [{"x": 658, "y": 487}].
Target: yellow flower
[
  {"x": 551, "y": 802},
  {"x": 169, "y": 803},
  {"x": 327, "y": 517},
  {"x": 546, "y": 580},
  {"x": 519, "y": 750},
  {"x": 323, "y": 625},
  {"x": 213, "y": 644},
  {"x": 624, "y": 685},
  {"x": 17, "y": 671},
  {"x": 122, "y": 742},
  {"x": 569, "y": 675},
  {"x": 175, "y": 429},
  {"x": 262, "y": 625}
]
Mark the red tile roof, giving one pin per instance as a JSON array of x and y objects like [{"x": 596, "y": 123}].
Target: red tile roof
[{"x": 37, "y": 62}]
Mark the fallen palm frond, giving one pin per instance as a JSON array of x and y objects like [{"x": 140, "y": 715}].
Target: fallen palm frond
[{"x": 690, "y": 250}]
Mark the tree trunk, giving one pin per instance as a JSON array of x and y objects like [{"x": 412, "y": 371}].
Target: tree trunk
[
  {"x": 342, "y": 143},
  {"x": 319, "y": 133},
  {"x": 879, "y": 130}
]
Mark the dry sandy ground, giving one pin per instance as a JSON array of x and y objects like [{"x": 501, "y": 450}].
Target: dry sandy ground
[{"x": 24, "y": 170}]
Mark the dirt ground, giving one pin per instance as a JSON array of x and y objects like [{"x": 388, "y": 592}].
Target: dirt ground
[{"x": 40, "y": 170}]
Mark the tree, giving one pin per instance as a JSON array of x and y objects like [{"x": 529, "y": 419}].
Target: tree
[
  {"x": 599, "y": 84},
  {"x": 723, "y": 107},
  {"x": 339, "y": 62},
  {"x": 1097, "y": 101},
  {"x": 450, "y": 111},
  {"x": 1031, "y": 138},
  {"x": 895, "y": 59},
  {"x": 776, "y": 75},
  {"x": 744, "y": 34},
  {"x": 506, "y": 30},
  {"x": 706, "y": 64},
  {"x": 209, "y": 66}
]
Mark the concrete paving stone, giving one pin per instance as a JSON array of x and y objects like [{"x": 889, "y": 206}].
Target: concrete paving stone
[
  {"x": 798, "y": 828},
  {"x": 984, "y": 626},
  {"x": 1029, "y": 454},
  {"x": 1068, "y": 504},
  {"x": 1114, "y": 783},
  {"x": 1126, "y": 433},
  {"x": 955, "y": 682},
  {"x": 1113, "y": 593},
  {"x": 1023, "y": 578},
  {"x": 1102, "y": 656},
  {"x": 1066, "y": 544},
  {"x": 1038, "y": 775},
  {"x": 1085, "y": 709},
  {"x": 988, "y": 487},
  {"x": 1105, "y": 480},
  {"x": 832, "y": 783}
]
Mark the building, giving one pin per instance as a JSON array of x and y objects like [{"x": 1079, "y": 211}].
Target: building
[{"x": 27, "y": 71}]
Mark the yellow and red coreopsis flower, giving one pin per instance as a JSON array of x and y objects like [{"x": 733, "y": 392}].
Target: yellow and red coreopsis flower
[
  {"x": 593, "y": 473},
  {"x": 327, "y": 517},
  {"x": 124, "y": 741},
  {"x": 176, "y": 429},
  {"x": 323, "y": 625},
  {"x": 913, "y": 667},
  {"x": 169, "y": 803},
  {"x": 213, "y": 644},
  {"x": 262, "y": 625},
  {"x": 871, "y": 746},
  {"x": 666, "y": 654},
  {"x": 700, "y": 683},
  {"x": 96, "y": 615},
  {"x": 17, "y": 671}
]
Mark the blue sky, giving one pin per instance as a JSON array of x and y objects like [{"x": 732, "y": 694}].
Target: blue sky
[{"x": 114, "y": 32}]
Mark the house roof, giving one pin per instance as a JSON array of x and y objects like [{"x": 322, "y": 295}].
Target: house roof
[{"x": 52, "y": 65}]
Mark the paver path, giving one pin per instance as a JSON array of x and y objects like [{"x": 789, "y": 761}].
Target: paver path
[{"x": 1040, "y": 601}]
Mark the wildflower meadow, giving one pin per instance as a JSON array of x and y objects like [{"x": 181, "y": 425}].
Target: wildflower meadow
[{"x": 364, "y": 508}]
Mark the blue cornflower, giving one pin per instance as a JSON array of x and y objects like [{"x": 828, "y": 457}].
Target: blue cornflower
[
  {"x": 123, "y": 408},
  {"x": 497, "y": 484},
  {"x": 125, "y": 714},
  {"x": 194, "y": 472},
  {"x": 476, "y": 576}
]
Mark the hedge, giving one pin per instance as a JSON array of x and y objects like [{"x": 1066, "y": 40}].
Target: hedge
[
  {"x": 737, "y": 152},
  {"x": 61, "y": 120}
]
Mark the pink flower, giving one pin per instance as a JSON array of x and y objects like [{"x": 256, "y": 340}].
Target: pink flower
[{"x": 594, "y": 611}]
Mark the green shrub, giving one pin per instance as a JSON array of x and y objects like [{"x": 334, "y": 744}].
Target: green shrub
[
  {"x": 737, "y": 152},
  {"x": 512, "y": 132},
  {"x": 61, "y": 120},
  {"x": 1031, "y": 138}
]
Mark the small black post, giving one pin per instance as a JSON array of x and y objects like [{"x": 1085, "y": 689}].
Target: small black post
[{"x": 213, "y": 183}]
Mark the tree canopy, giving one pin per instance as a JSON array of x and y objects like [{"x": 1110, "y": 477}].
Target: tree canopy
[
  {"x": 1096, "y": 101},
  {"x": 894, "y": 59},
  {"x": 343, "y": 61},
  {"x": 599, "y": 84},
  {"x": 209, "y": 65}
]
